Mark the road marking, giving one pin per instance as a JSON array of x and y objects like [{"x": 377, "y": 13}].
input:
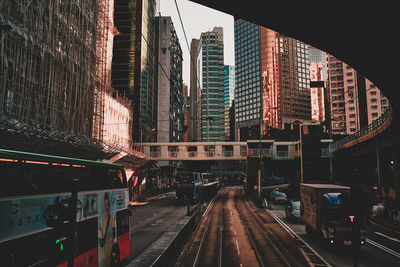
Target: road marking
[
  {"x": 230, "y": 211},
  {"x": 237, "y": 247},
  {"x": 290, "y": 231},
  {"x": 234, "y": 232},
  {"x": 388, "y": 237},
  {"x": 388, "y": 250}
]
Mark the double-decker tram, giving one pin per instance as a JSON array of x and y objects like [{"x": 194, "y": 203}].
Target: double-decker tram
[
  {"x": 59, "y": 211},
  {"x": 189, "y": 187}
]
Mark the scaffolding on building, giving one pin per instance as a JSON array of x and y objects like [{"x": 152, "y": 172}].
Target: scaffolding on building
[{"x": 50, "y": 81}]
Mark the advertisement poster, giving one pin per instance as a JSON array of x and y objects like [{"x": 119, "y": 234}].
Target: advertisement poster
[
  {"x": 22, "y": 216},
  {"x": 107, "y": 204},
  {"x": 87, "y": 206}
]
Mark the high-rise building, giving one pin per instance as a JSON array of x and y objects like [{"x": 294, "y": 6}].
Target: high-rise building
[
  {"x": 51, "y": 71},
  {"x": 317, "y": 77},
  {"x": 355, "y": 101},
  {"x": 210, "y": 76},
  {"x": 229, "y": 90},
  {"x": 195, "y": 93},
  {"x": 272, "y": 79},
  {"x": 170, "y": 92},
  {"x": 134, "y": 68},
  {"x": 186, "y": 113}
]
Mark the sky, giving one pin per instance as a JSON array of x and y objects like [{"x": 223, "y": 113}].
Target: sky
[{"x": 197, "y": 19}]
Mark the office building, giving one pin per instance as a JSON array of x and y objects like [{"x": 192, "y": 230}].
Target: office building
[
  {"x": 209, "y": 89},
  {"x": 229, "y": 91},
  {"x": 170, "y": 87},
  {"x": 195, "y": 93},
  {"x": 272, "y": 82},
  {"x": 355, "y": 101},
  {"x": 186, "y": 113},
  {"x": 134, "y": 66}
]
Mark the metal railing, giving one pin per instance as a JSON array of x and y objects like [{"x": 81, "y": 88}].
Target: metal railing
[{"x": 363, "y": 131}]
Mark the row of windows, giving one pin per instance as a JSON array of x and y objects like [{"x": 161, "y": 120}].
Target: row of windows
[
  {"x": 252, "y": 107},
  {"x": 212, "y": 113},
  {"x": 248, "y": 117}
]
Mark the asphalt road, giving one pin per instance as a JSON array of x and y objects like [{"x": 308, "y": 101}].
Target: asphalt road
[{"x": 382, "y": 248}]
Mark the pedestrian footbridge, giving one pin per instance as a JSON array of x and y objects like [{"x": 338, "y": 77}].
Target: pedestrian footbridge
[{"x": 192, "y": 151}]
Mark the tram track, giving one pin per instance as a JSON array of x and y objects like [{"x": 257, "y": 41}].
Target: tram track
[
  {"x": 232, "y": 234},
  {"x": 206, "y": 246},
  {"x": 264, "y": 240}
]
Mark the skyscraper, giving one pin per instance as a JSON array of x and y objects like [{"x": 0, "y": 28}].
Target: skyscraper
[
  {"x": 195, "y": 108},
  {"x": 209, "y": 77},
  {"x": 229, "y": 90},
  {"x": 134, "y": 66},
  {"x": 186, "y": 113},
  {"x": 355, "y": 101},
  {"x": 272, "y": 79},
  {"x": 170, "y": 91},
  {"x": 318, "y": 76}
]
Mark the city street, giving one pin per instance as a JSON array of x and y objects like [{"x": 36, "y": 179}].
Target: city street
[{"x": 382, "y": 248}]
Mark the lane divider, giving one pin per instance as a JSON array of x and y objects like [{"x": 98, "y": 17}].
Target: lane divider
[
  {"x": 388, "y": 250},
  {"x": 296, "y": 236}
]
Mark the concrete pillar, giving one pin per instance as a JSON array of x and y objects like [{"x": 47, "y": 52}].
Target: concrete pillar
[
  {"x": 182, "y": 152},
  {"x": 236, "y": 150},
  {"x": 200, "y": 151},
  {"x": 164, "y": 151},
  {"x": 218, "y": 150}
]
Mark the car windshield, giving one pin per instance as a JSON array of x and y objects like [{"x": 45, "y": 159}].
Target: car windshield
[{"x": 280, "y": 195}]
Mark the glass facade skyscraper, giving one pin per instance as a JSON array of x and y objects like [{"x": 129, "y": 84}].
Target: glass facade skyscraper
[
  {"x": 209, "y": 61},
  {"x": 272, "y": 79},
  {"x": 134, "y": 67}
]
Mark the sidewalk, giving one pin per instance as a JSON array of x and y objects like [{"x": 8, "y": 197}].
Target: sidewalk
[{"x": 387, "y": 223}]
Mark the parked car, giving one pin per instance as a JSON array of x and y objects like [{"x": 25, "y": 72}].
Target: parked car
[
  {"x": 293, "y": 210},
  {"x": 280, "y": 197}
]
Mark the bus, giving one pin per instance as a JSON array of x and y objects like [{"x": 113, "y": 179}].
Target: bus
[
  {"x": 189, "y": 187},
  {"x": 59, "y": 211}
]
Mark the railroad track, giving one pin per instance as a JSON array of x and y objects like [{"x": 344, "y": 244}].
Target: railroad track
[
  {"x": 206, "y": 245},
  {"x": 271, "y": 248},
  {"x": 232, "y": 234}
]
